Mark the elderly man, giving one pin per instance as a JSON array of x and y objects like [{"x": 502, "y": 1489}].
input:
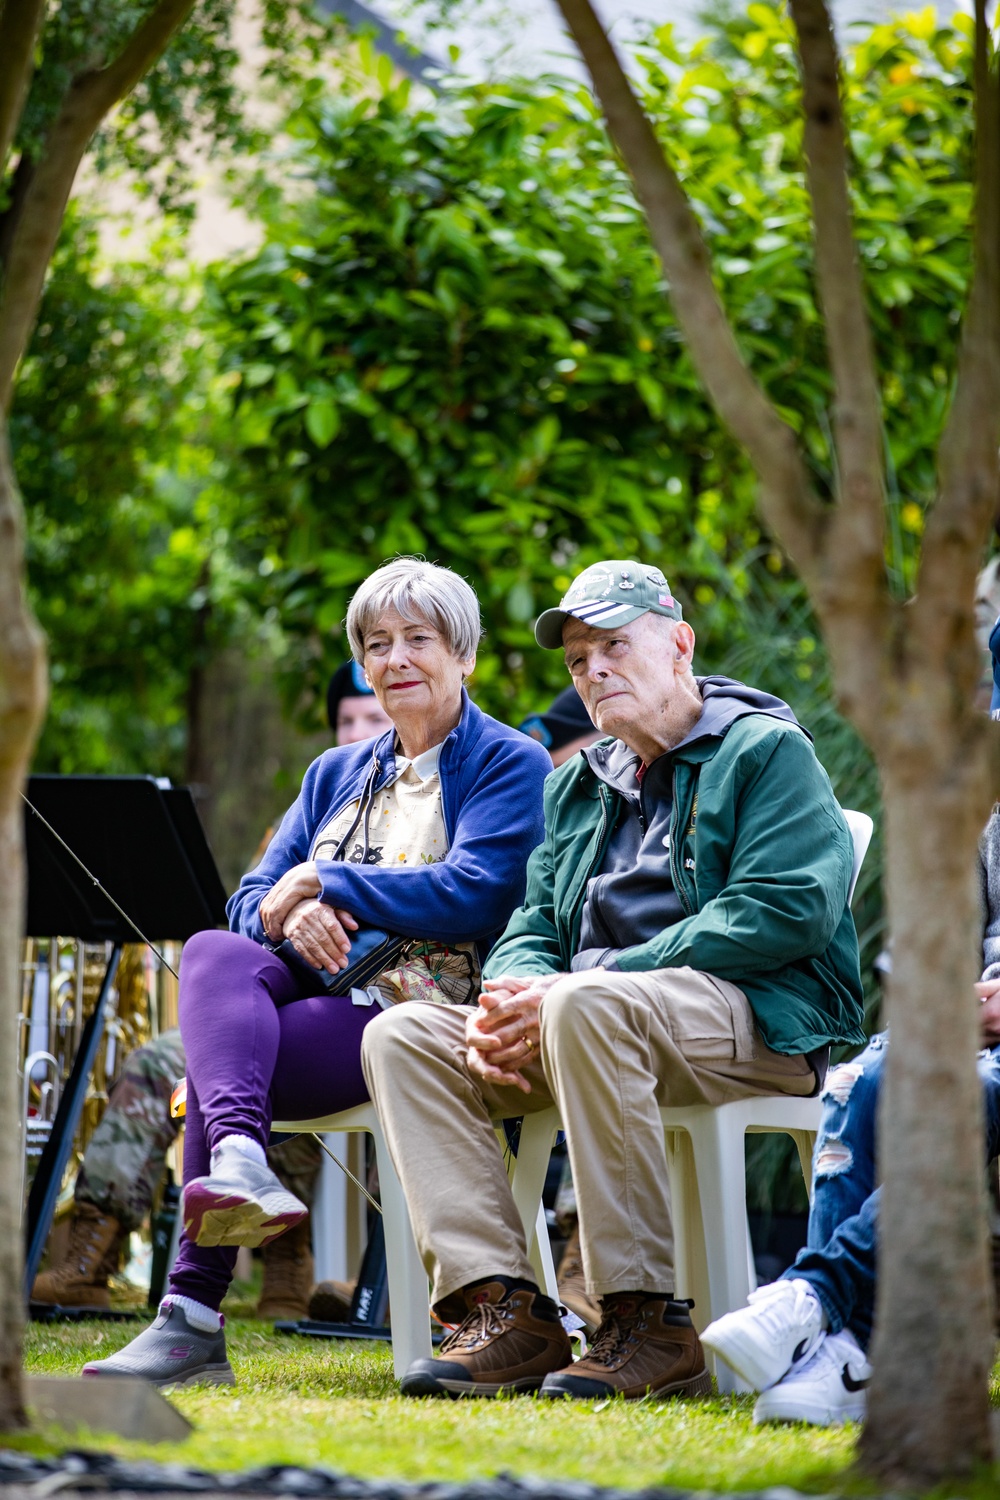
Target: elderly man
[{"x": 685, "y": 939}]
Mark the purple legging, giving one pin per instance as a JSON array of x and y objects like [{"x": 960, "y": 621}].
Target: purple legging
[{"x": 257, "y": 1047}]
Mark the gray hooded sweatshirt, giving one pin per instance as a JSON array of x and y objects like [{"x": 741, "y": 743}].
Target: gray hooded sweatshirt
[{"x": 632, "y": 898}]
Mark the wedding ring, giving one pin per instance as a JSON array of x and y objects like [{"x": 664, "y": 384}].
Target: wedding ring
[{"x": 528, "y": 1043}]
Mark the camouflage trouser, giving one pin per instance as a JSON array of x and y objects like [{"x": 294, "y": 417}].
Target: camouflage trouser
[
  {"x": 297, "y": 1161},
  {"x": 123, "y": 1162}
]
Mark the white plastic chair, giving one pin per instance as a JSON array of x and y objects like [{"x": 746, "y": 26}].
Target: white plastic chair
[
  {"x": 339, "y": 1214},
  {"x": 706, "y": 1165},
  {"x": 408, "y": 1286}
]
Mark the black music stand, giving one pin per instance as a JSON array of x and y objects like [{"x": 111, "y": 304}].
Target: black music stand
[{"x": 144, "y": 842}]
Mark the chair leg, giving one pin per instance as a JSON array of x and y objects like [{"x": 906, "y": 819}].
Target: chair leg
[
  {"x": 528, "y": 1169},
  {"x": 540, "y": 1255},
  {"x": 717, "y": 1140},
  {"x": 690, "y": 1270},
  {"x": 329, "y": 1215},
  {"x": 805, "y": 1144},
  {"x": 408, "y": 1289},
  {"x": 527, "y": 1181}
]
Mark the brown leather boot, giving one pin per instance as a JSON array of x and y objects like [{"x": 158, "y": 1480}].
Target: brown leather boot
[
  {"x": 288, "y": 1275},
  {"x": 573, "y": 1286},
  {"x": 81, "y": 1277},
  {"x": 330, "y": 1301},
  {"x": 644, "y": 1346},
  {"x": 509, "y": 1340}
]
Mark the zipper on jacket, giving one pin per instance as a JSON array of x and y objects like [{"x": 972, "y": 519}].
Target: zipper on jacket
[
  {"x": 676, "y": 844},
  {"x": 602, "y": 844}
]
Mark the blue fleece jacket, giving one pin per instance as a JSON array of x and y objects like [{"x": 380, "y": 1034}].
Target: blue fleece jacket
[{"x": 491, "y": 797}]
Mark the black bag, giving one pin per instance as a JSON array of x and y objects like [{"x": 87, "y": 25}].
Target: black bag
[{"x": 371, "y": 951}]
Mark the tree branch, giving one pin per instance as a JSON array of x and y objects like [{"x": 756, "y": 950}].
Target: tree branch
[
  {"x": 837, "y": 550},
  {"x": 17, "y": 191},
  {"x": 85, "y": 104},
  {"x": 104, "y": 87},
  {"x": 854, "y": 601},
  {"x": 857, "y": 416},
  {"x": 968, "y": 473},
  {"x": 787, "y": 498},
  {"x": 19, "y": 23}
]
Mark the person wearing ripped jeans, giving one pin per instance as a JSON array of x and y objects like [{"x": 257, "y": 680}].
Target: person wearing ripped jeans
[{"x": 802, "y": 1340}]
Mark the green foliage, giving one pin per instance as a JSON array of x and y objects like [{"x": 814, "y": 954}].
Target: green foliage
[
  {"x": 729, "y": 116},
  {"x": 446, "y": 346},
  {"x": 455, "y": 339},
  {"x": 315, "y": 1402},
  {"x": 132, "y": 542},
  {"x": 191, "y": 93}
]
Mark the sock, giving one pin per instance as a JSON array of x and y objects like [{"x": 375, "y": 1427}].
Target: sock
[
  {"x": 509, "y": 1284},
  {"x": 245, "y": 1144},
  {"x": 197, "y": 1314},
  {"x": 647, "y": 1297},
  {"x": 677, "y": 1310},
  {"x": 542, "y": 1307},
  {"x": 454, "y": 1308}
]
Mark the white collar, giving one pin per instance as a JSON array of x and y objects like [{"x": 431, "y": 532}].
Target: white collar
[{"x": 425, "y": 764}]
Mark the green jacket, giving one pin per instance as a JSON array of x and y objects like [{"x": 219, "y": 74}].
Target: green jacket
[{"x": 761, "y": 859}]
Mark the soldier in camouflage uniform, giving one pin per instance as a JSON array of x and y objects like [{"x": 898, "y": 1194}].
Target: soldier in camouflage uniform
[{"x": 121, "y": 1170}]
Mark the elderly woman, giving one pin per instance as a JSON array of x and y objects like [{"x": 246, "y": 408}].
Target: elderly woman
[{"x": 423, "y": 833}]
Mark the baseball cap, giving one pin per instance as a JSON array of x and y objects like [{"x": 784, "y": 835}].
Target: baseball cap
[
  {"x": 565, "y": 719},
  {"x": 608, "y": 594},
  {"x": 347, "y": 682}
]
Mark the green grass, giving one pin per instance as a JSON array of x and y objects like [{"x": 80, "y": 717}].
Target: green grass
[{"x": 311, "y": 1402}]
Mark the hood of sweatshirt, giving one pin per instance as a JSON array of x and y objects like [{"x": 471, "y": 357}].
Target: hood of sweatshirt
[
  {"x": 725, "y": 700},
  {"x": 632, "y": 897}
]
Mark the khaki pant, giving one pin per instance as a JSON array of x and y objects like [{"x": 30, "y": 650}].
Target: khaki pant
[{"x": 614, "y": 1047}]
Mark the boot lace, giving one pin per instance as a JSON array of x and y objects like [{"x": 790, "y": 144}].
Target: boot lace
[
  {"x": 610, "y": 1340},
  {"x": 484, "y": 1321}
]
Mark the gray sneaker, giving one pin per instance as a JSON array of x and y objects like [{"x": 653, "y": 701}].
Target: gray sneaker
[
  {"x": 170, "y": 1352},
  {"x": 240, "y": 1202}
]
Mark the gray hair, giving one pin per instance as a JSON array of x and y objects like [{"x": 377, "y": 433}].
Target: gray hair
[{"x": 419, "y": 591}]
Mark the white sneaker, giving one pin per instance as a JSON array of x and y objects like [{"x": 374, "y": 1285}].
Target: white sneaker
[
  {"x": 781, "y": 1326},
  {"x": 829, "y": 1389},
  {"x": 240, "y": 1202}
]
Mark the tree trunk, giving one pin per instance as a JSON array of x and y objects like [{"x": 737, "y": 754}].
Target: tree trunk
[
  {"x": 905, "y": 676},
  {"x": 22, "y": 704},
  {"x": 19, "y": 24},
  {"x": 34, "y": 220},
  {"x": 928, "y": 1416}
]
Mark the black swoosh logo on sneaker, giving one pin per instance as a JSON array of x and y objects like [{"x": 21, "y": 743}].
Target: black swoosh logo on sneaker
[
  {"x": 850, "y": 1384},
  {"x": 799, "y": 1350}
]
